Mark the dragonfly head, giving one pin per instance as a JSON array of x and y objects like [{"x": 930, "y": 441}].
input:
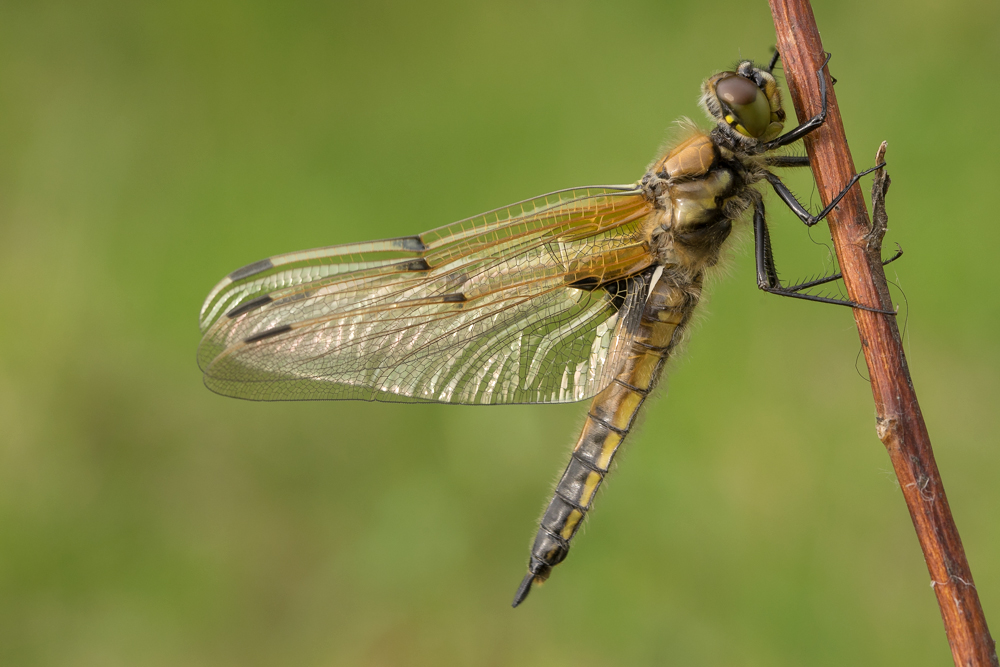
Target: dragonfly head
[{"x": 746, "y": 104}]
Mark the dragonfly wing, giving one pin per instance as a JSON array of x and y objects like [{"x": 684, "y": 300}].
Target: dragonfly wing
[{"x": 501, "y": 308}]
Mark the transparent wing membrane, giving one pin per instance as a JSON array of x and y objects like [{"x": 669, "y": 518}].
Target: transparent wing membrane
[{"x": 482, "y": 311}]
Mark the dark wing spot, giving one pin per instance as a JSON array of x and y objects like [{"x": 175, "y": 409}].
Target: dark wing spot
[
  {"x": 252, "y": 304},
  {"x": 268, "y": 334},
  {"x": 416, "y": 265},
  {"x": 454, "y": 298},
  {"x": 409, "y": 243},
  {"x": 250, "y": 269}
]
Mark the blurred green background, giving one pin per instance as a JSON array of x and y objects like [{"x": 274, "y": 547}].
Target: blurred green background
[{"x": 147, "y": 149}]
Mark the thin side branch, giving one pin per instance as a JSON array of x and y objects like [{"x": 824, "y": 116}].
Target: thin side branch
[{"x": 899, "y": 424}]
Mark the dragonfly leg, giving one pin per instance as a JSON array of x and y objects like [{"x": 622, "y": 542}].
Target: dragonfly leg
[
  {"x": 798, "y": 209},
  {"x": 805, "y": 128},
  {"x": 774, "y": 61},
  {"x": 767, "y": 274},
  {"x": 787, "y": 161},
  {"x": 835, "y": 276}
]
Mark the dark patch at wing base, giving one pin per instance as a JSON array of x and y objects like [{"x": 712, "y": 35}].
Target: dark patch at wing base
[
  {"x": 618, "y": 290},
  {"x": 589, "y": 284}
]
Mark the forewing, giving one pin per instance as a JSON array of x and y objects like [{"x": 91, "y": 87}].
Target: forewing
[{"x": 501, "y": 308}]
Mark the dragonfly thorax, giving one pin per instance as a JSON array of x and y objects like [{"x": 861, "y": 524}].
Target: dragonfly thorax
[{"x": 697, "y": 194}]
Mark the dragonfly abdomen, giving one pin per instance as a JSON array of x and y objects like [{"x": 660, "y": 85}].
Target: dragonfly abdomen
[{"x": 609, "y": 420}]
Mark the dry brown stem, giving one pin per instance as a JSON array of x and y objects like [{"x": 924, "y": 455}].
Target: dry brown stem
[{"x": 899, "y": 424}]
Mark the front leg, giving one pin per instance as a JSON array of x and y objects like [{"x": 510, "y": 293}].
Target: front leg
[
  {"x": 798, "y": 209},
  {"x": 805, "y": 128}
]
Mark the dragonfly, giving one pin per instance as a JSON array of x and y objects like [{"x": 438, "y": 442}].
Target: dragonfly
[{"x": 580, "y": 293}]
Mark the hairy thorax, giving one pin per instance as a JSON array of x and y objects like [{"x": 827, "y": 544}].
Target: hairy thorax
[{"x": 698, "y": 193}]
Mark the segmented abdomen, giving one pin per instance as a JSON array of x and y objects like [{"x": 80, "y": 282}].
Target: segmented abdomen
[{"x": 611, "y": 416}]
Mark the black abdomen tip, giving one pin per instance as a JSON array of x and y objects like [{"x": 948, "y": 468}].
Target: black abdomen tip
[{"x": 523, "y": 589}]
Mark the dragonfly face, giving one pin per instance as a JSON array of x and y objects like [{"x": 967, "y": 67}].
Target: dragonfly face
[
  {"x": 581, "y": 293},
  {"x": 746, "y": 102}
]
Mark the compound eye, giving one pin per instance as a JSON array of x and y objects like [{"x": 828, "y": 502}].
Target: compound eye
[{"x": 751, "y": 112}]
